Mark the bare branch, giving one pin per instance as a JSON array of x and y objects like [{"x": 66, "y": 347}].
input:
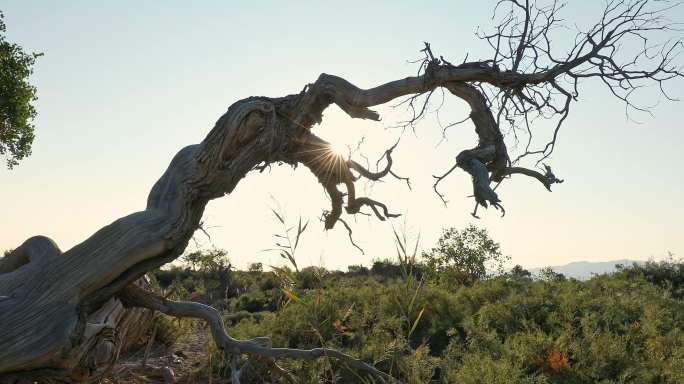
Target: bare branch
[
  {"x": 350, "y": 234},
  {"x": 134, "y": 296}
]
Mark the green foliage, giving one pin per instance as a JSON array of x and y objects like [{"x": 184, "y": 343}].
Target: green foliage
[
  {"x": 505, "y": 329},
  {"x": 358, "y": 270},
  {"x": 16, "y": 97},
  {"x": 311, "y": 277},
  {"x": 463, "y": 257},
  {"x": 214, "y": 271},
  {"x": 667, "y": 274},
  {"x": 509, "y": 328},
  {"x": 256, "y": 301},
  {"x": 386, "y": 269},
  {"x": 167, "y": 330},
  {"x": 285, "y": 242},
  {"x": 207, "y": 261},
  {"x": 172, "y": 276},
  {"x": 521, "y": 272},
  {"x": 207, "y": 277},
  {"x": 548, "y": 274},
  {"x": 256, "y": 268}
]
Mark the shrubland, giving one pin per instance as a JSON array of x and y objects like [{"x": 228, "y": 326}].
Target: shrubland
[{"x": 426, "y": 322}]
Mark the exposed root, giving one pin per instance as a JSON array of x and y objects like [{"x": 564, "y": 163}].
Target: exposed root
[{"x": 261, "y": 346}]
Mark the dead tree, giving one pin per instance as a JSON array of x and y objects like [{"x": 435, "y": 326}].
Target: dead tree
[{"x": 50, "y": 301}]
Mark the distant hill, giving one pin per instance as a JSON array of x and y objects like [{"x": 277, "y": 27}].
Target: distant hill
[{"x": 583, "y": 270}]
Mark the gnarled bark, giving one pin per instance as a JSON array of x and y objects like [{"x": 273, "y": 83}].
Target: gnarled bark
[
  {"x": 50, "y": 300},
  {"x": 47, "y": 300},
  {"x": 109, "y": 330}
]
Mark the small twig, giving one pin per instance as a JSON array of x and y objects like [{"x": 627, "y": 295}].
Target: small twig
[{"x": 351, "y": 238}]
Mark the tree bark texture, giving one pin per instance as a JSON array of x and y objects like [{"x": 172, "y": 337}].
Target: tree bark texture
[{"x": 61, "y": 313}]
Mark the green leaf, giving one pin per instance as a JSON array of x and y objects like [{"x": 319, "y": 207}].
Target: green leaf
[
  {"x": 283, "y": 273},
  {"x": 396, "y": 235},
  {"x": 415, "y": 294},
  {"x": 415, "y": 249},
  {"x": 291, "y": 296},
  {"x": 415, "y": 323},
  {"x": 300, "y": 230},
  {"x": 294, "y": 263}
]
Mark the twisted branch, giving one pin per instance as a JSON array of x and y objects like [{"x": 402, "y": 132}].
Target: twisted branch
[{"x": 134, "y": 296}]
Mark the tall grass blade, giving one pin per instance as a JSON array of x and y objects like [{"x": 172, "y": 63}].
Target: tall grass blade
[
  {"x": 415, "y": 323},
  {"x": 278, "y": 216}
]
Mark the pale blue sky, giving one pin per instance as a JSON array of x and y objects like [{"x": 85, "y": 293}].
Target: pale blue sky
[{"x": 124, "y": 85}]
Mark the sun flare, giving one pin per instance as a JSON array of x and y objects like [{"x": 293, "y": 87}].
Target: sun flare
[{"x": 339, "y": 149}]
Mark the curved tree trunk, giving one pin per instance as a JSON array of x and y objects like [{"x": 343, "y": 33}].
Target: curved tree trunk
[
  {"x": 58, "y": 310},
  {"x": 109, "y": 330},
  {"x": 49, "y": 300}
]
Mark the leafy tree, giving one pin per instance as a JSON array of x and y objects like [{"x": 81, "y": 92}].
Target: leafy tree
[
  {"x": 16, "y": 97},
  {"x": 165, "y": 277},
  {"x": 214, "y": 268},
  {"x": 256, "y": 268},
  {"x": 463, "y": 257},
  {"x": 311, "y": 277},
  {"x": 519, "y": 271},
  {"x": 548, "y": 274},
  {"x": 386, "y": 268},
  {"x": 668, "y": 273},
  {"x": 209, "y": 261},
  {"x": 358, "y": 270}
]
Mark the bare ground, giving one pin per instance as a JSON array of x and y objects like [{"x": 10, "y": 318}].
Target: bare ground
[{"x": 179, "y": 363}]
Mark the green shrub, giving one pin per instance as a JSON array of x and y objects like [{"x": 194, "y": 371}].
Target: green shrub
[
  {"x": 620, "y": 328},
  {"x": 463, "y": 257},
  {"x": 501, "y": 330},
  {"x": 168, "y": 329}
]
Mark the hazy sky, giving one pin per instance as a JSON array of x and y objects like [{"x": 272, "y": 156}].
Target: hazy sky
[{"x": 124, "y": 85}]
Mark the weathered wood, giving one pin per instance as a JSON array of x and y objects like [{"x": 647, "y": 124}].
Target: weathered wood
[
  {"x": 56, "y": 309},
  {"x": 261, "y": 346},
  {"x": 107, "y": 331},
  {"x": 45, "y": 319}
]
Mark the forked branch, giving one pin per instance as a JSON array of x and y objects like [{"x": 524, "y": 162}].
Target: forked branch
[{"x": 526, "y": 79}]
